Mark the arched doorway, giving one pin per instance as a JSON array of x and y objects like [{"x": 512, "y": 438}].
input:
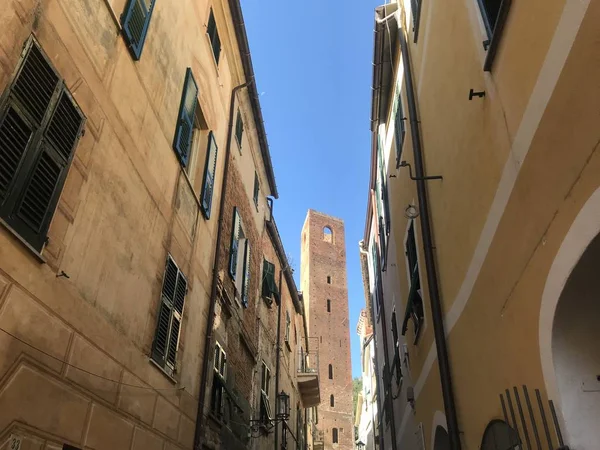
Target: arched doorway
[
  {"x": 498, "y": 435},
  {"x": 575, "y": 355},
  {"x": 441, "y": 440}
]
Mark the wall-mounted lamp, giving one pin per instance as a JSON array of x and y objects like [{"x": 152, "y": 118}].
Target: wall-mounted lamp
[
  {"x": 360, "y": 445},
  {"x": 283, "y": 401}
]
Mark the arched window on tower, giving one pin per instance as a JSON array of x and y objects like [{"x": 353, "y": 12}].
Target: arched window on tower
[
  {"x": 330, "y": 371},
  {"x": 327, "y": 234},
  {"x": 334, "y": 435},
  {"x": 331, "y": 401}
]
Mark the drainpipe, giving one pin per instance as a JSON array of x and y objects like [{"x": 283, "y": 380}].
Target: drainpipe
[
  {"x": 432, "y": 281},
  {"x": 278, "y": 356},
  {"x": 208, "y": 344}
]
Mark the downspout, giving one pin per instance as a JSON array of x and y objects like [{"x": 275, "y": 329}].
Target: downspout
[
  {"x": 278, "y": 356},
  {"x": 432, "y": 281},
  {"x": 208, "y": 344}
]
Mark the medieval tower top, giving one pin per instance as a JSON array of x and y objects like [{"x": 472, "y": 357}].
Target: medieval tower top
[{"x": 325, "y": 287}]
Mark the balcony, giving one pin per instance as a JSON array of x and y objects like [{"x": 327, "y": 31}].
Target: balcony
[{"x": 308, "y": 378}]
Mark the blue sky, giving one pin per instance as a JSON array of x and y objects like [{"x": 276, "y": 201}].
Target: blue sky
[{"x": 313, "y": 64}]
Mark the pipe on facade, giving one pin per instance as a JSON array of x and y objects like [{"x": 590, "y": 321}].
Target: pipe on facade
[
  {"x": 278, "y": 356},
  {"x": 198, "y": 432},
  {"x": 432, "y": 281}
]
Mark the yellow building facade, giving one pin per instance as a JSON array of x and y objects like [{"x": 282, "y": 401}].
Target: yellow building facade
[{"x": 482, "y": 222}]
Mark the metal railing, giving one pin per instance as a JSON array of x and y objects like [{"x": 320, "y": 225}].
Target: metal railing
[{"x": 308, "y": 362}]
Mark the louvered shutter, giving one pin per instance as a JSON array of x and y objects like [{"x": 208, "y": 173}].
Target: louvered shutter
[
  {"x": 135, "y": 21},
  {"x": 182, "y": 142},
  {"x": 209, "y": 175},
  {"x": 166, "y": 338},
  {"x": 239, "y": 129},
  {"x": 39, "y": 131},
  {"x": 235, "y": 237},
  {"x": 246, "y": 279},
  {"x": 213, "y": 34}
]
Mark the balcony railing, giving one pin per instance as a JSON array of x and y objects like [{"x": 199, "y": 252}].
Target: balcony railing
[
  {"x": 308, "y": 362},
  {"x": 308, "y": 378}
]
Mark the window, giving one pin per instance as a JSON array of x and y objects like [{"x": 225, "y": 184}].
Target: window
[
  {"x": 40, "y": 126},
  {"x": 399, "y": 128},
  {"x": 331, "y": 401},
  {"x": 220, "y": 371},
  {"x": 376, "y": 297},
  {"x": 386, "y": 394},
  {"x": 415, "y": 6},
  {"x": 265, "y": 409},
  {"x": 135, "y": 21},
  {"x": 213, "y": 35},
  {"x": 414, "y": 306},
  {"x": 170, "y": 314},
  {"x": 328, "y": 279},
  {"x": 239, "y": 261},
  {"x": 327, "y": 234},
  {"x": 397, "y": 367},
  {"x": 288, "y": 323},
  {"x": 494, "y": 14},
  {"x": 182, "y": 141},
  {"x": 330, "y": 372},
  {"x": 210, "y": 169},
  {"x": 382, "y": 205},
  {"x": 239, "y": 129},
  {"x": 256, "y": 190},
  {"x": 334, "y": 435},
  {"x": 328, "y": 305},
  {"x": 269, "y": 287}
]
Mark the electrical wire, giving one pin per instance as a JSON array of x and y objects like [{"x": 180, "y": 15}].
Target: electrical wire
[{"x": 181, "y": 389}]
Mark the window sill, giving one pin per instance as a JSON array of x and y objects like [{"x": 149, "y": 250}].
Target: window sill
[
  {"x": 36, "y": 254},
  {"x": 164, "y": 372}
]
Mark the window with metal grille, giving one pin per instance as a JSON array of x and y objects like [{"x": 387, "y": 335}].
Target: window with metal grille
[
  {"x": 239, "y": 259},
  {"x": 239, "y": 129},
  {"x": 210, "y": 170},
  {"x": 256, "y": 190},
  {"x": 218, "y": 386},
  {"x": 397, "y": 366},
  {"x": 494, "y": 14},
  {"x": 213, "y": 35},
  {"x": 135, "y": 21},
  {"x": 399, "y": 127},
  {"x": 414, "y": 307},
  {"x": 170, "y": 314},
  {"x": 416, "y": 17},
  {"x": 40, "y": 126},
  {"x": 182, "y": 141},
  {"x": 269, "y": 287}
]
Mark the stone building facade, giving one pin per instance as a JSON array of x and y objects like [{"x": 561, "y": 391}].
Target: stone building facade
[
  {"x": 117, "y": 121},
  {"x": 482, "y": 223},
  {"x": 324, "y": 286}
]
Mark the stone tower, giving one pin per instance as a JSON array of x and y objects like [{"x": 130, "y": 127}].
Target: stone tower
[{"x": 324, "y": 285}]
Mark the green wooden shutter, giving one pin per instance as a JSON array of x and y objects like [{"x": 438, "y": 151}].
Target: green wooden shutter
[
  {"x": 399, "y": 129},
  {"x": 213, "y": 34},
  {"x": 246, "y": 279},
  {"x": 135, "y": 21},
  {"x": 166, "y": 338},
  {"x": 209, "y": 175},
  {"x": 256, "y": 189},
  {"x": 233, "y": 252},
  {"x": 182, "y": 141},
  {"x": 239, "y": 129}
]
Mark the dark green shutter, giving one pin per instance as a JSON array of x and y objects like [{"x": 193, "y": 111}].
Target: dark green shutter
[
  {"x": 246, "y": 279},
  {"x": 239, "y": 129},
  {"x": 256, "y": 189},
  {"x": 166, "y": 338},
  {"x": 213, "y": 34},
  {"x": 399, "y": 130},
  {"x": 233, "y": 252},
  {"x": 182, "y": 142},
  {"x": 209, "y": 175},
  {"x": 15, "y": 135},
  {"x": 135, "y": 21}
]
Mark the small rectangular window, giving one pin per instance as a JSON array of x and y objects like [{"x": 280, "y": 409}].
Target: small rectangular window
[
  {"x": 40, "y": 127},
  {"x": 213, "y": 35},
  {"x": 256, "y": 190},
  {"x": 135, "y": 21},
  {"x": 210, "y": 169},
  {"x": 184, "y": 128},
  {"x": 334, "y": 436},
  {"x": 414, "y": 307},
  {"x": 219, "y": 374},
  {"x": 170, "y": 316},
  {"x": 269, "y": 288},
  {"x": 328, "y": 279},
  {"x": 239, "y": 129},
  {"x": 328, "y": 305}
]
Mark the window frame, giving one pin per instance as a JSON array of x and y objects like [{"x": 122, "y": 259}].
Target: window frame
[
  {"x": 208, "y": 180},
  {"x": 494, "y": 35},
  {"x": 212, "y": 24},
  {"x": 185, "y": 125},
  {"x": 219, "y": 380}
]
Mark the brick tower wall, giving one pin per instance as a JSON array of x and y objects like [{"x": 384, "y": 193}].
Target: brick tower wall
[{"x": 325, "y": 256}]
